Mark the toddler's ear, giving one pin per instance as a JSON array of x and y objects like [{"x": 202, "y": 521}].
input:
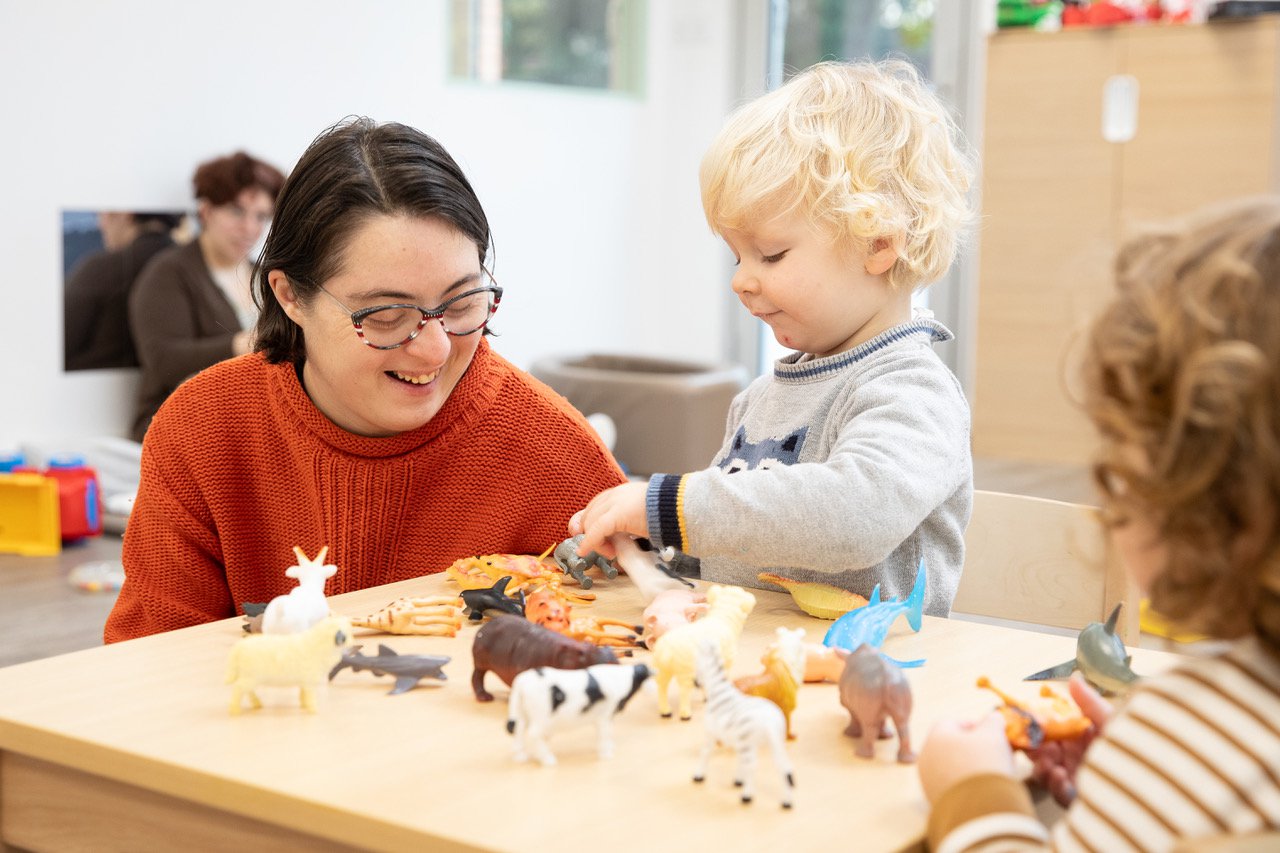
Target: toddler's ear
[{"x": 881, "y": 257}]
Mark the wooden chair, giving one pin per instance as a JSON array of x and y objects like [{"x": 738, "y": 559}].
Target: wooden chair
[{"x": 1042, "y": 562}]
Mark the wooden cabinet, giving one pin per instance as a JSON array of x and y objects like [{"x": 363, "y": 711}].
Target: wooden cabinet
[{"x": 1057, "y": 197}]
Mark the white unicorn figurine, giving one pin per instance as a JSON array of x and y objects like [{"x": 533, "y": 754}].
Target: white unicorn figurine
[{"x": 305, "y": 605}]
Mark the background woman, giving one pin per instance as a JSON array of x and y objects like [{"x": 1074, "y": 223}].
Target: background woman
[{"x": 191, "y": 305}]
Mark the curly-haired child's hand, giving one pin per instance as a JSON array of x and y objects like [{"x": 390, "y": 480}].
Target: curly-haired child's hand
[
  {"x": 620, "y": 509},
  {"x": 1055, "y": 763},
  {"x": 954, "y": 751}
]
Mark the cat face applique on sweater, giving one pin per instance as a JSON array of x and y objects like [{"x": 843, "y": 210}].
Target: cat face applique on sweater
[{"x": 766, "y": 453}]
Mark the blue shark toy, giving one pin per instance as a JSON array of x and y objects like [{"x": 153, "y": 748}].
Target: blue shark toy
[{"x": 868, "y": 625}]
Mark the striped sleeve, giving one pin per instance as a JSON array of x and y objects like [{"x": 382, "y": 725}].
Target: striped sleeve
[
  {"x": 664, "y": 505},
  {"x": 988, "y": 812},
  {"x": 1195, "y": 753}
]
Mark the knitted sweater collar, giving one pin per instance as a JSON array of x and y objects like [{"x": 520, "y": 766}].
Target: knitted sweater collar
[
  {"x": 471, "y": 399},
  {"x": 790, "y": 369}
]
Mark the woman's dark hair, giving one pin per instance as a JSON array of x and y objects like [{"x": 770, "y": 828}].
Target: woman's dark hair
[
  {"x": 352, "y": 172},
  {"x": 219, "y": 181}
]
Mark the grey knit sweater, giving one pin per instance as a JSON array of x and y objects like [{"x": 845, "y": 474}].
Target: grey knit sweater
[{"x": 846, "y": 470}]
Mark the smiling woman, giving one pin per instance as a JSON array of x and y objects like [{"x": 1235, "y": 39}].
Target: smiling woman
[{"x": 403, "y": 446}]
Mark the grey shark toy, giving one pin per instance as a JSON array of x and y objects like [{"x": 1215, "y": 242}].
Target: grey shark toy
[
  {"x": 1100, "y": 657},
  {"x": 407, "y": 669}
]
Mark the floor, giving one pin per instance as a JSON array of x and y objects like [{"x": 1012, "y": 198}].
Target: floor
[{"x": 43, "y": 614}]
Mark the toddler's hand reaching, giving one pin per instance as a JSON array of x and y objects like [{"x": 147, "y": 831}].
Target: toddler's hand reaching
[
  {"x": 617, "y": 510},
  {"x": 1056, "y": 761},
  {"x": 955, "y": 751}
]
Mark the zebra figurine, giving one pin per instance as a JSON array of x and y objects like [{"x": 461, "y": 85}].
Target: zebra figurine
[{"x": 743, "y": 722}]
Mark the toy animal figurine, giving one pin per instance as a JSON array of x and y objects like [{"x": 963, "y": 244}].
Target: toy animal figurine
[
  {"x": 527, "y": 573},
  {"x": 823, "y": 663},
  {"x": 783, "y": 673},
  {"x": 670, "y": 608},
  {"x": 545, "y": 699},
  {"x": 873, "y": 689},
  {"x": 1030, "y": 722},
  {"x": 478, "y": 602},
  {"x": 1100, "y": 657},
  {"x": 566, "y": 557},
  {"x": 674, "y": 653},
  {"x": 508, "y": 645},
  {"x": 305, "y": 604},
  {"x": 408, "y": 670},
  {"x": 429, "y": 615},
  {"x": 650, "y": 575},
  {"x": 817, "y": 599},
  {"x": 868, "y": 625},
  {"x": 545, "y": 609},
  {"x": 286, "y": 660},
  {"x": 743, "y": 722}
]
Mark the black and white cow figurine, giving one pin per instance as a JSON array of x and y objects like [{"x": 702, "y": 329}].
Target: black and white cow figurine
[{"x": 545, "y": 699}]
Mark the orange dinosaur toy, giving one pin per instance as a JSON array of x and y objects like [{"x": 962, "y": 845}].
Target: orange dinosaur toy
[{"x": 1049, "y": 716}]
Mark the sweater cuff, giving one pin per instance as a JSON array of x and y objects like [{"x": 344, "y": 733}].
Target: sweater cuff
[
  {"x": 983, "y": 808},
  {"x": 664, "y": 505}
]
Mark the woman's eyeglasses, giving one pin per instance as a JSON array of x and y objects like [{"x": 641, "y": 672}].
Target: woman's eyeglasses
[{"x": 391, "y": 326}]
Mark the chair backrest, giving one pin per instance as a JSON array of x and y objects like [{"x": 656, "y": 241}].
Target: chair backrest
[{"x": 1043, "y": 562}]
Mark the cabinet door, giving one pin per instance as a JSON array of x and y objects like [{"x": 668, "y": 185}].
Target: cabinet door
[
  {"x": 1206, "y": 117},
  {"x": 1046, "y": 233}
]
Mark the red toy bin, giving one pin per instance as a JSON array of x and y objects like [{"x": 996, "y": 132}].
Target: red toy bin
[{"x": 79, "y": 498}]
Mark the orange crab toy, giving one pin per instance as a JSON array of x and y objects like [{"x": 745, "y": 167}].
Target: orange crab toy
[
  {"x": 527, "y": 573},
  {"x": 1049, "y": 716}
]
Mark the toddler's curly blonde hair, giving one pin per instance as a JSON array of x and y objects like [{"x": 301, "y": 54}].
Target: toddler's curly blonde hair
[
  {"x": 1182, "y": 379},
  {"x": 864, "y": 150}
]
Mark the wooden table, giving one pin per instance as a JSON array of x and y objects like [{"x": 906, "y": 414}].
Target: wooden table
[{"x": 131, "y": 747}]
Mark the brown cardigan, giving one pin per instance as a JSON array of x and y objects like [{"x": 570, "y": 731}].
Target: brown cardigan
[{"x": 181, "y": 322}]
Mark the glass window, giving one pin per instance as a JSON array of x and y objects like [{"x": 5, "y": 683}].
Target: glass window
[
  {"x": 594, "y": 44},
  {"x": 857, "y": 29}
]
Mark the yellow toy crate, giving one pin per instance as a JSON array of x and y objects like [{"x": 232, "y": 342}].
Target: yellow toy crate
[{"x": 29, "y": 521}]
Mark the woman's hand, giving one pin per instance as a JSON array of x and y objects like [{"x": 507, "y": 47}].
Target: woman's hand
[
  {"x": 617, "y": 510},
  {"x": 954, "y": 751},
  {"x": 1056, "y": 762}
]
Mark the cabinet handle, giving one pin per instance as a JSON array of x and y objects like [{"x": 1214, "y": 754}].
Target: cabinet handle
[{"x": 1120, "y": 108}]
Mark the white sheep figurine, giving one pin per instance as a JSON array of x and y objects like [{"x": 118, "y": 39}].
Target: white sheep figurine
[
  {"x": 305, "y": 604},
  {"x": 301, "y": 660},
  {"x": 544, "y": 699}
]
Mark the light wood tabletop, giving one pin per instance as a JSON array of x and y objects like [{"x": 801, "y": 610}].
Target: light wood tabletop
[{"x": 131, "y": 747}]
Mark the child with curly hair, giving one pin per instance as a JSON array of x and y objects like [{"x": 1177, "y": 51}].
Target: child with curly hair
[
  {"x": 840, "y": 194},
  {"x": 1182, "y": 378}
]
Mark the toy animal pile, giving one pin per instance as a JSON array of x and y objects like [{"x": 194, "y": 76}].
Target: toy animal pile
[{"x": 562, "y": 670}]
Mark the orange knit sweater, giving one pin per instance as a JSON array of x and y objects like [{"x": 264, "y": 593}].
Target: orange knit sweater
[{"x": 239, "y": 466}]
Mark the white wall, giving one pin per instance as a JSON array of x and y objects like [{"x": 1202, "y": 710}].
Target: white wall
[{"x": 593, "y": 199}]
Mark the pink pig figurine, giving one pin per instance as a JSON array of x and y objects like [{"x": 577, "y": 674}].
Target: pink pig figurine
[
  {"x": 823, "y": 663},
  {"x": 670, "y": 608}
]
